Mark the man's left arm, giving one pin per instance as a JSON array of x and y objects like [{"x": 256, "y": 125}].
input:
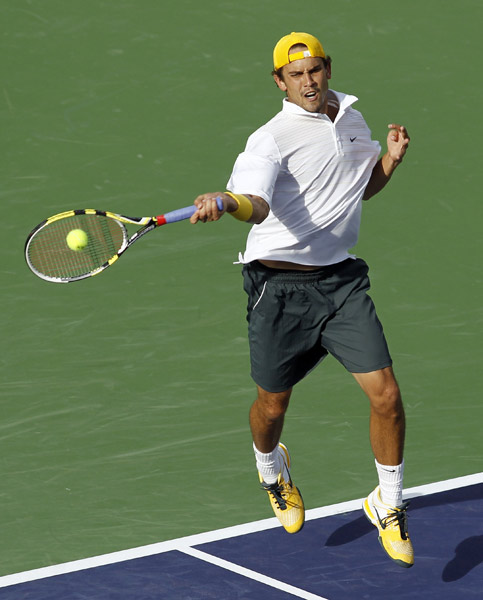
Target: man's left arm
[{"x": 397, "y": 144}]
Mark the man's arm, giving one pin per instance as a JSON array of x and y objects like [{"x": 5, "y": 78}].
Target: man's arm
[
  {"x": 397, "y": 144},
  {"x": 208, "y": 209}
]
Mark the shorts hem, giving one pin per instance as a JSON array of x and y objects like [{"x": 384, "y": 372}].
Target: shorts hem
[
  {"x": 274, "y": 389},
  {"x": 378, "y": 367}
]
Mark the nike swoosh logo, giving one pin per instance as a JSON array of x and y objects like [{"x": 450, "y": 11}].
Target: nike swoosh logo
[
  {"x": 353, "y": 139},
  {"x": 379, "y": 519}
]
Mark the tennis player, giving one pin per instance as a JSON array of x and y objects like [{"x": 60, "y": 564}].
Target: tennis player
[{"x": 301, "y": 182}]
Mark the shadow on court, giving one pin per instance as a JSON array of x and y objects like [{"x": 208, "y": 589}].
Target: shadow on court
[{"x": 468, "y": 555}]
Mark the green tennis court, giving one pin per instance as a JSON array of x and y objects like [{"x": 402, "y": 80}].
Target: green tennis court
[{"x": 125, "y": 398}]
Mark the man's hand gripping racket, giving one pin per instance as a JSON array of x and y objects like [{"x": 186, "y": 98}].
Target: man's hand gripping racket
[{"x": 77, "y": 244}]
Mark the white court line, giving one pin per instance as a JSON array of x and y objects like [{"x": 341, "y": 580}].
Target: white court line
[
  {"x": 185, "y": 544},
  {"x": 248, "y": 573}
]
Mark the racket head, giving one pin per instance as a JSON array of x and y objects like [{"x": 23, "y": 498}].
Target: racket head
[{"x": 50, "y": 258}]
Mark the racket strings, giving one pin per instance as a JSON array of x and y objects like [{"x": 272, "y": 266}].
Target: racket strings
[{"x": 49, "y": 254}]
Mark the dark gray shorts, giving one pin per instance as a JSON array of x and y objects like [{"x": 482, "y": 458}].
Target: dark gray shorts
[{"x": 296, "y": 317}]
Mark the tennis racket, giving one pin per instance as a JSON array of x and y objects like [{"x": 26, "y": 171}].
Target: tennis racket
[{"x": 104, "y": 239}]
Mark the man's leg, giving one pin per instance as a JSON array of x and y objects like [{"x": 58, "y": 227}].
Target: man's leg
[
  {"x": 384, "y": 506},
  {"x": 273, "y": 460}
]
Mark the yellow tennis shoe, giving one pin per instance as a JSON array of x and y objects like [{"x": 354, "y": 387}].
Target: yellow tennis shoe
[
  {"x": 391, "y": 522},
  {"x": 285, "y": 498}
]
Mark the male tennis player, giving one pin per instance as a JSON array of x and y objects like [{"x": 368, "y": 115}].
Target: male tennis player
[{"x": 301, "y": 181}]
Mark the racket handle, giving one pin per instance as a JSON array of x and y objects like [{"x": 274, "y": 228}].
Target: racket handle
[{"x": 183, "y": 213}]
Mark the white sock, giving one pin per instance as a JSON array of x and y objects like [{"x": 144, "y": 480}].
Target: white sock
[
  {"x": 269, "y": 465},
  {"x": 390, "y": 483}
]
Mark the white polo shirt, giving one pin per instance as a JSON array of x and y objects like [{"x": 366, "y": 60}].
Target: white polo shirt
[{"x": 313, "y": 173}]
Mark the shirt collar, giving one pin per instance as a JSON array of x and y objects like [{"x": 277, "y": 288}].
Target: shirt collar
[{"x": 345, "y": 100}]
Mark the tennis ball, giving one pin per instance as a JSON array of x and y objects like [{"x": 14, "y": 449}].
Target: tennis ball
[{"x": 77, "y": 239}]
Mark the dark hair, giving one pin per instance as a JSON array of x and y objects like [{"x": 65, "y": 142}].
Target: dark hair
[{"x": 278, "y": 72}]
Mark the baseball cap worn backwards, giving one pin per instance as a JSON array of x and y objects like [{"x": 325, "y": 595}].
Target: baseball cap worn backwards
[{"x": 281, "y": 56}]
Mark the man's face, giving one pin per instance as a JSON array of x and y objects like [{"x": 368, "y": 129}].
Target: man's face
[{"x": 306, "y": 82}]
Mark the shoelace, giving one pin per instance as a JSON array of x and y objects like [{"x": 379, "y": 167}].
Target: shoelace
[
  {"x": 276, "y": 490},
  {"x": 400, "y": 516}
]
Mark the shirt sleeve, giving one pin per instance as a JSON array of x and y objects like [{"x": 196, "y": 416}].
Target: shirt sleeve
[{"x": 256, "y": 169}]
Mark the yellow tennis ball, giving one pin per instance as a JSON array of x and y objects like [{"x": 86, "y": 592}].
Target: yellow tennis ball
[{"x": 77, "y": 239}]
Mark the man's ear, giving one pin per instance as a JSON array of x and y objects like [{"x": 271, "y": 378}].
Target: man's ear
[{"x": 280, "y": 83}]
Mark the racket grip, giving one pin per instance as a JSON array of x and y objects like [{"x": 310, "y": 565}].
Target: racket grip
[{"x": 181, "y": 214}]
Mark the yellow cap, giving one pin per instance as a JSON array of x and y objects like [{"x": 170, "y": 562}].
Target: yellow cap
[{"x": 281, "y": 51}]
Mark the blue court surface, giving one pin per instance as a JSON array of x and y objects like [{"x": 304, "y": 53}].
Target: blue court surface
[{"x": 336, "y": 556}]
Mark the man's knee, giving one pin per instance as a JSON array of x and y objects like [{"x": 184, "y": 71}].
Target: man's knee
[
  {"x": 273, "y": 404},
  {"x": 387, "y": 399},
  {"x": 382, "y": 390}
]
